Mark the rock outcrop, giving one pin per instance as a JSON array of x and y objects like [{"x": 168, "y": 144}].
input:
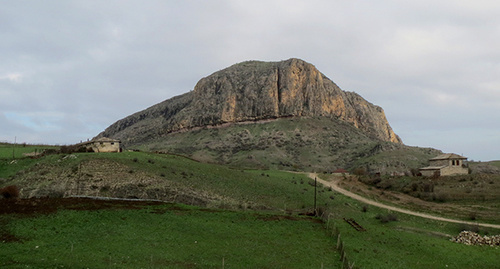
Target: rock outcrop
[{"x": 254, "y": 91}]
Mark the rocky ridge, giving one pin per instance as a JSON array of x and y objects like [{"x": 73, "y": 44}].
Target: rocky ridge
[{"x": 254, "y": 91}]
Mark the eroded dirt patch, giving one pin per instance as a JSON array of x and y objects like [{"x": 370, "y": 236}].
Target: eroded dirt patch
[
  {"x": 35, "y": 206},
  {"x": 284, "y": 217}
]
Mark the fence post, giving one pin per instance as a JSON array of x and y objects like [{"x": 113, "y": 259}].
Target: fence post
[{"x": 339, "y": 242}]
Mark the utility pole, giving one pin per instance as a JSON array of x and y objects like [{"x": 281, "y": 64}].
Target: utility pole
[
  {"x": 13, "y": 148},
  {"x": 315, "y": 191}
]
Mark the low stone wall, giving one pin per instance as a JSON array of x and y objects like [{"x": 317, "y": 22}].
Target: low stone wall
[{"x": 471, "y": 238}]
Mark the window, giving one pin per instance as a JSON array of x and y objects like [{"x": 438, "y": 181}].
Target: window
[{"x": 112, "y": 143}]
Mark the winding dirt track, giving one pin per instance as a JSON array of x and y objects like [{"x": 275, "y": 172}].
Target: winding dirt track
[{"x": 336, "y": 187}]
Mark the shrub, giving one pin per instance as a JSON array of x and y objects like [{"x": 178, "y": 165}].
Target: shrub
[
  {"x": 392, "y": 217},
  {"x": 414, "y": 186},
  {"x": 50, "y": 151},
  {"x": 360, "y": 171},
  {"x": 321, "y": 211},
  {"x": 385, "y": 185},
  {"x": 105, "y": 188},
  {"x": 440, "y": 197},
  {"x": 472, "y": 216},
  {"x": 468, "y": 227},
  {"x": 387, "y": 218},
  {"x": 428, "y": 187},
  {"x": 10, "y": 192},
  {"x": 66, "y": 149},
  {"x": 375, "y": 181}
]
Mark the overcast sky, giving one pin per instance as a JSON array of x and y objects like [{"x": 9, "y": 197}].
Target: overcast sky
[{"x": 69, "y": 69}]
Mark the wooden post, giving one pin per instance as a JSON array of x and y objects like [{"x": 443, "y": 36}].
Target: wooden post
[
  {"x": 315, "y": 184},
  {"x": 338, "y": 241},
  {"x": 79, "y": 179},
  {"x": 13, "y": 148}
]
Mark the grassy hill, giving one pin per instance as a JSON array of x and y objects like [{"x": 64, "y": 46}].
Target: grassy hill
[
  {"x": 495, "y": 163},
  {"x": 408, "y": 242},
  {"x": 492, "y": 167},
  {"x": 157, "y": 176},
  {"x": 302, "y": 144}
]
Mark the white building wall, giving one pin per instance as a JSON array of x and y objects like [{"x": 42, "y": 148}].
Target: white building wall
[
  {"x": 454, "y": 170},
  {"x": 106, "y": 147}
]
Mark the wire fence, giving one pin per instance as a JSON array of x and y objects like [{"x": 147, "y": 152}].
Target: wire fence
[{"x": 340, "y": 246}]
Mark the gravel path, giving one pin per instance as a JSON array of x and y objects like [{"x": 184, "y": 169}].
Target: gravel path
[{"x": 335, "y": 187}]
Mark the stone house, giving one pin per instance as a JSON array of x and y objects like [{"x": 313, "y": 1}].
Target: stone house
[
  {"x": 103, "y": 144},
  {"x": 448, "y": 164}
]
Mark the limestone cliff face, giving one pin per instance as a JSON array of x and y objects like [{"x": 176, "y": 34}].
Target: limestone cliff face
[{"x": 255, "y": 91}]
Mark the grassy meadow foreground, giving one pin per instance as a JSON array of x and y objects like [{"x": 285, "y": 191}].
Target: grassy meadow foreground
[
  {"x": 109, "y": 234},
  {"x": 242, "y": 218}
]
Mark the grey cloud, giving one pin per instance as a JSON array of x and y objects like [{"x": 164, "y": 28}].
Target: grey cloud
[{"x": 432, "y": 66}]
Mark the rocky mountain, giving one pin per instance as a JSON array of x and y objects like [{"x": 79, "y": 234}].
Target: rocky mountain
[
  {"x": 253, "y": 91},
  {"x": 262, "y": 109}
]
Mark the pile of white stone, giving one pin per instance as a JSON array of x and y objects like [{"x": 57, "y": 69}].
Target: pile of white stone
[{"x": 472, "y": 238}]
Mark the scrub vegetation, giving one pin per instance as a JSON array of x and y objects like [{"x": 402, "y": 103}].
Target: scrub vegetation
[{"x": 242, "y": 218}]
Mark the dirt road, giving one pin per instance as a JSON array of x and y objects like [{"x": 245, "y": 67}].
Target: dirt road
[{"x": 335, "y": 187}]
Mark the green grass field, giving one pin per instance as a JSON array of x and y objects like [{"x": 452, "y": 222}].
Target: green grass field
[
  {"x": 495, "y": 163},
  {"x": 169, "y": 236},
  {"x": 12, "y": 159},
  {"x": 16, "y": 151},
  {"x": 409, "y": 242}
]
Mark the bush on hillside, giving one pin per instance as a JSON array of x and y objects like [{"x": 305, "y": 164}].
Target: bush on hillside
[
  {"x": 10, "y": 192},
  {"x": 387, "y": 218},
  {"x": 360, "y": 171}
]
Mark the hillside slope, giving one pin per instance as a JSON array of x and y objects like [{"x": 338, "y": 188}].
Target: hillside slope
[
  {"x": 301, "y": 144},
  {"x": 266, "y": 115}
]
